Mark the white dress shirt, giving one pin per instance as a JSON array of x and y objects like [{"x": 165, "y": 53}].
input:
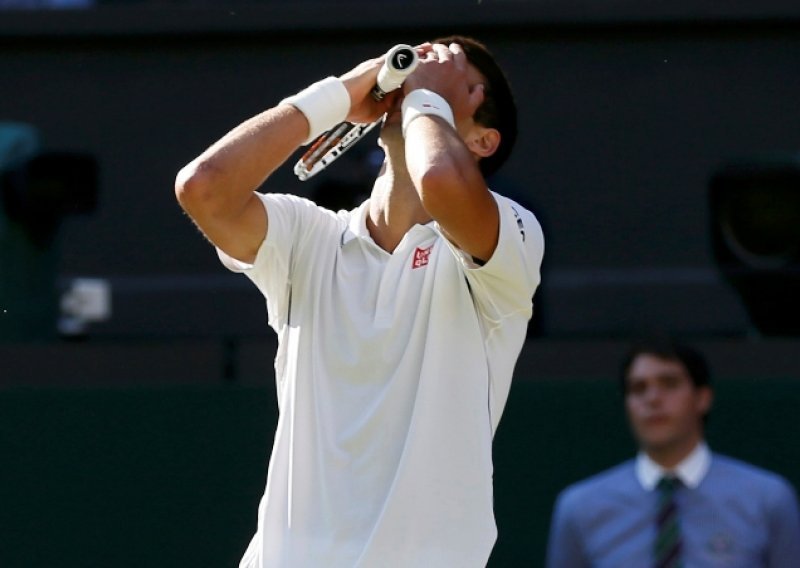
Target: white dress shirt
[{"x": 691, "y": 471}]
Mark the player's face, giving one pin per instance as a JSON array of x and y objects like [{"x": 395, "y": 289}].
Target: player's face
[{"x": 664, "y": 407}]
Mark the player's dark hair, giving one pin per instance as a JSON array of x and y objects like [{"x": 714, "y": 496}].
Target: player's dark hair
[
  {"x": 669, "y": 350},
  {"x": 498, "y": 110}
]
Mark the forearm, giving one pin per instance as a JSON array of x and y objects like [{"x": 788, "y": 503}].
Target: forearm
[
  {"x": 217, "y": 189},
  {"x": 231, "y": 169},
  {"x": 451, "y": 187},
  {"x": 223, "y": 177},
  {"x": 438, "y": 163}
]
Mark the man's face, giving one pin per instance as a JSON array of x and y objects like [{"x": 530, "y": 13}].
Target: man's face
[{"x": 664, "y": 407}]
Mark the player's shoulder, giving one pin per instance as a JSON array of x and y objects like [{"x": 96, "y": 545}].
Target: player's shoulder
[
  {"x": 302, "y": 212},
  {"x": 292, "y": 201},
  {"x": 520, "y": 218},
  {"x": 515, "y": 206}
]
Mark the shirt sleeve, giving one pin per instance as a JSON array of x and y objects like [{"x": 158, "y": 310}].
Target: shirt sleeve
[
  {"x": 502, "y": 290},
  {"x": 505, "y": 284},
  {"x": 564, "y": 547},
  {"x": 293, "y": 223},
  {"x": 784, "y": 520}
]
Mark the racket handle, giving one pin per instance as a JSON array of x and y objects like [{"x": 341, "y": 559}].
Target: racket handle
[{"x": 400, "y": 62}]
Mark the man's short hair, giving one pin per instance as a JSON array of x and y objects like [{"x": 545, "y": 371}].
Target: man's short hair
[
  {"x": 498, "y": 109},
  {"x": 670, "y": 350}
]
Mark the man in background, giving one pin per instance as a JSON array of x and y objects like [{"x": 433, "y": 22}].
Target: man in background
[{"x": 677, "y": 503}]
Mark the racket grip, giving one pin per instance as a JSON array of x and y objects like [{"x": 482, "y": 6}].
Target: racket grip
[{"x": 400, "y": 62}]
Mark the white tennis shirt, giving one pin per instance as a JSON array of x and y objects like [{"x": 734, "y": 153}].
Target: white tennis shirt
[{"x": 392, "y": 372}]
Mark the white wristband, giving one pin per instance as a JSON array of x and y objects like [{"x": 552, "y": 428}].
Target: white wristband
[
  {"x": 324, "y": 104},
  {"x": 423, "y": 101}
]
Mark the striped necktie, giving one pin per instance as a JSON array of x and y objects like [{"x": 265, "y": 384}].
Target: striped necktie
[{"x": 667, "y": 551}]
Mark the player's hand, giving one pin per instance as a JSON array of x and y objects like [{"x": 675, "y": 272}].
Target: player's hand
[
  {"x": 444, "y": 69},
  {"x": 359, "y": 82}
]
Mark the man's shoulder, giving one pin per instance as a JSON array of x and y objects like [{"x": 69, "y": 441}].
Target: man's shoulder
[
  {"x": 299, "y": 216},
  {"x": 519, "y": 207},
  {"x": 739, "y": 472},
  {"x": 292, "y": 201},
  {"x": 607, "y": 484},
  {"x": 521, "y": 226}
]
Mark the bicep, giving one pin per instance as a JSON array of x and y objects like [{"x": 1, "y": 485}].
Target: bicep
[
  {"x": 506, "y": 283},
  {"x": 472, "y": 223}
]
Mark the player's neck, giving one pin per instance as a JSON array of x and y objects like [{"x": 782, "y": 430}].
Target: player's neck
[{"x": 394, "y": 207}]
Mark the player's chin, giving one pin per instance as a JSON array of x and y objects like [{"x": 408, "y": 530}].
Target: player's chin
[
  {"x": 392, "y": 118},
  {"x": 391, "y": 136},
  {"x": 393, "y": 102}
]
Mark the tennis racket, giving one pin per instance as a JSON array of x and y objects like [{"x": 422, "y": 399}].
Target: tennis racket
[{"x": 400, "y": 61}]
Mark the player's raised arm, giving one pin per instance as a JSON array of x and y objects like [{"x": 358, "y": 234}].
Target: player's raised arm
[
  {"x": 217, "y": 188},
  {"x": 444, "y": 143}
]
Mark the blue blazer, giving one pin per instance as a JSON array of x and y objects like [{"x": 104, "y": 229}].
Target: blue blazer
[{"x": 739, "y": 516}]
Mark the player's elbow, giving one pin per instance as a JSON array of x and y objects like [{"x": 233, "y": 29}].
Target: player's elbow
[{"x": 195, "y": 188}]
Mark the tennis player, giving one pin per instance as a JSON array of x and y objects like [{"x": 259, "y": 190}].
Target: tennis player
[{"x": 399, "y": 322}]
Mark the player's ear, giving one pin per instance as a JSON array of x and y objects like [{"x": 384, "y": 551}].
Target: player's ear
[{"x": 483, "y": 141}]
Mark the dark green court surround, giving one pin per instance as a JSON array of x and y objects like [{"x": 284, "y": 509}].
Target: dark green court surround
[{"x": 172, "y": 476}]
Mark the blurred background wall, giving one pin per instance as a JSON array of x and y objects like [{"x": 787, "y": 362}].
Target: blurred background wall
[{"x": 141, "y": 436}]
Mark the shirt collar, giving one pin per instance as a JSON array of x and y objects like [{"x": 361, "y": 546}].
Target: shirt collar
[
  {"x": 357, "y": 225},
  {"x": 690, "y": 471}
]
